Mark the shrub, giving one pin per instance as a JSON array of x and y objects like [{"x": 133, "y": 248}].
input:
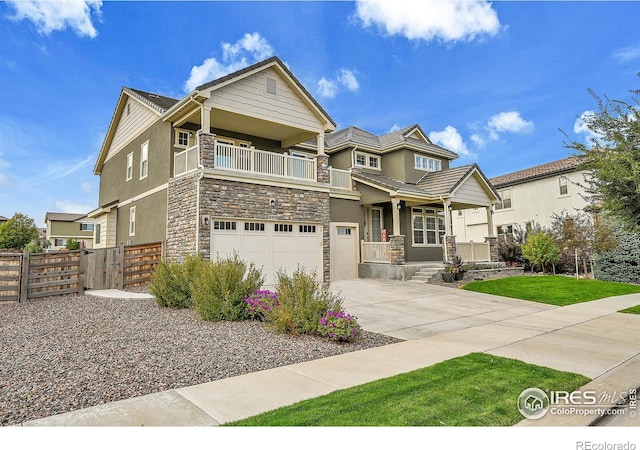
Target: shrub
[
  {"x": 540, "y": 249},
  {"x": 259, "y": 303},
  {"x": 622, "y": 264},
  {"x": 220, "y": 287},
  {"x": 303, "y": 301},
  {"x": 510, "y": 251},
  {"x": 38, "y": 246},
  {"x": 72, "y": 244},
  {"x": 171, "y": 285},
  {"x": 340, "y": 327}
]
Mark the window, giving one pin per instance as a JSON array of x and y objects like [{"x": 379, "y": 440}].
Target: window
[
  {"x": 224, "y": 225},
  {"x": 144, "y": 160},
  {"x": 60, "y": 242},
  {"x": 428, "y": 227},
  {"x": 182, "y": 138},
  {"x": 428, "y": 164},
  {"x": 132, "y": 221},
  {"x": 254, "y": 226},
  {"x": 367, "y": 160},
  {"x": 344, "y": 231},
  {"x": 129, "y": 166},
  {"x": 504, "y": 231},
  {"x": 505, "y": 195},
  {"x": 86, "y": 227},
  {"x": 283, "y": 228},
  {"x": 97, "y": 236},
  {"x": 564, "y": 187},
  {"x": 307, "y": 229},
  {"x": 376, "y": 224}
]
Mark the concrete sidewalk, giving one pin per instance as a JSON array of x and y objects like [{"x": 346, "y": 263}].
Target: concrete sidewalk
[{"x": 440, "y": 323}]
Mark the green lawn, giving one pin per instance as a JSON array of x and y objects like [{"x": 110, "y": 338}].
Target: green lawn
[
  {"x": 473, "y": 390},
  {"x": 553, "y": 290},
  {"x": 632, "y": 310}
]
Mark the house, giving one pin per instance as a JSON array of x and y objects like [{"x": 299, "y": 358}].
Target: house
[
  {"x": 252, "y": 163},
  {"x": 60, "y": 227},
  {"x": 3, "y": 219},
  {"x": 529, "y": 196}
]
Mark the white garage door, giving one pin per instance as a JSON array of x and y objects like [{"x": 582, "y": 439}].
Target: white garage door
[
  {"x": 272, "y": 246},
  {"x": 344, "y": 251}
]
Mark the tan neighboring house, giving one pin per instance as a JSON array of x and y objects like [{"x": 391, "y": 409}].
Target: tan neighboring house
[
  {"x": 60, "y": 227},
  {"x": 528, "y": 196},
  {"x": 252, "y": 163}
]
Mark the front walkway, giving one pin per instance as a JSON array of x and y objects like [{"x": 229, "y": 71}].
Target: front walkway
[{"x": 440, "y": 323}]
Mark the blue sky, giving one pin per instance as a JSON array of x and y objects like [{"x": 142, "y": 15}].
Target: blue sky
[{"x": 494, "y": 82}]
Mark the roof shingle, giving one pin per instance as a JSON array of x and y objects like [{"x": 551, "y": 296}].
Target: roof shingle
[{"x": 541, "y": 171}]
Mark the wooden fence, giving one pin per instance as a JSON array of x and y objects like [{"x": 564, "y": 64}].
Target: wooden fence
[{"x": 25, "y": 276}]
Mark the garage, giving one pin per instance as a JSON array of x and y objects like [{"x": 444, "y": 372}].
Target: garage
[
  {"x": 272, "y": 246},
  {"x": 344, "y": 251}
]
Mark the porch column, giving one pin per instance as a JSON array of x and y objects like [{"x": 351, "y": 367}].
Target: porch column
[
  {"x": 395, "y": 207},
  {"x": 489, "y": 210},
  {"x": 205, "y": 118},
  {"x": 320, "y": 146},
  {"x": 396, "y": 249},
  {"x": 447, "y": 217}
]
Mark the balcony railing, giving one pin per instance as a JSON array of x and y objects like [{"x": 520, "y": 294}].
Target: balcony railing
[
  {"x": 185, "y": 161},
  {"x": 250, "y": 160},
  {"x": 473, "y": 251},
  {"x": 340, "y": 179},
  {"x": 375, "y": 252}
]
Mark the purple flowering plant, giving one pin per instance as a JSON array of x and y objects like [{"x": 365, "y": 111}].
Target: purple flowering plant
[
  {"x": 259, "y": 303},
  {"x": 339, "y": 326}
]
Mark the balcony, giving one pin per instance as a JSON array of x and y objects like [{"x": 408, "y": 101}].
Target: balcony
[
  {"x": 375, "y": 252},
  {"x": 340, "y": 179},
  {"x": 185, "y": 161}
]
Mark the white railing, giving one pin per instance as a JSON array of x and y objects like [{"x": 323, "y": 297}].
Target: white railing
[
  {"x": 340, "y": 179},
  {"x": 375, "y": 252},
  {"x": 185, "y": 161},
  {"x": 473, "y": 251},
  {"x": 245, "y": 159}
]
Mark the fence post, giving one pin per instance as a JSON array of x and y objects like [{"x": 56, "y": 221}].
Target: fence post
[
  {"x": 81, "y": 272},
  {"x": 24, "y": 277},
  {"x": 121, "y": 267}
]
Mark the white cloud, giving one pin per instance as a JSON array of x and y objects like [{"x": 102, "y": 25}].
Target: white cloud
[
  {"x": 478, "y": 140},
  {"x": 451, "y": 139},
  {"x": 446, "y": 20},
  {"x": 61, "y": 169},
  {"x": 580, "y": 127},
  {"x": 345, "y": 78},
  {"x": 57, "y": 15},
  {"x": 625, "y": 54},
  {"x": 508, "y": 122},
  {"x": 68, "y": 206},
  {"x": 394, "y": 127},
  {"x": 327, "y": 88},
  {"x": 247, "y": 50}
]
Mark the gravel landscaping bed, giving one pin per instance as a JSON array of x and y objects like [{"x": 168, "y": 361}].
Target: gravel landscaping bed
[{"x": 70, "y": 352}]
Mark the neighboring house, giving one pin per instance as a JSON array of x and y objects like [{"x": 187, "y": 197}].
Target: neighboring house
[
  {"x": 63, "y": 226},
  {"x": 252, "y": 163},
  {"x": 3, "y": 219},
  {"x": 528, "y": 197}
]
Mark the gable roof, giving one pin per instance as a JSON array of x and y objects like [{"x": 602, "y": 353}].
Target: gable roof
[
  {"x": 274, "y": 61},
  {"x": 353, "y": 136},
  {"x": 432, "y": 185},
  {"x": 560, "y": 166},
  {"x": 63, "y": 217},
  {"x": 157, "y": 101},
  {"x": 3, "y": 219}
]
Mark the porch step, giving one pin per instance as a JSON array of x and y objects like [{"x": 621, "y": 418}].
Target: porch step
[{"x": 426, "y": 274}]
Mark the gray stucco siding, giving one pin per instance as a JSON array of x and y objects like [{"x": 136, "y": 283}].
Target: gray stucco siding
[{"x": 151, "y": 220}]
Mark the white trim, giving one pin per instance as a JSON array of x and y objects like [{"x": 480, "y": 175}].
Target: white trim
[
  {"x": 177, "y": 132},
  {"x": 144, "y": 158},
  {"x": 356, "y": 247},
  {"x": 368, "y": 157},
  {"x": 343, "y": 195},
  {"x": 435, "y": 163},
  {"x": 141, "y": 196},
  {"x": 424, "y": 215},
  {"x": 132, "y": 221},
  {"x": 254, "y": 178}
]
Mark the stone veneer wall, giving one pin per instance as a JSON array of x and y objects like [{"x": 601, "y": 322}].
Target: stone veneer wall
[
  {"x": 396, "y": 249},
  {"x": 494, "y": 255},
  {"x": 232, "y": 199},
  {"x": 450, "y": 242},
  {"x": 182, "y": 217}
]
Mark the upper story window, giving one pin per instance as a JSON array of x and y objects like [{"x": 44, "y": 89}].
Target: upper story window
[
  {"x": 428, "y": 164},
  {"x": 564, "y": 185},
  {"x": 97, "y": 233},
  {"x": 505, "y": 195},
  {"x": 132, "y": 221},
  {"x": 129, "y": 166},
  {"x": 367, "y": 160},
  {"x": 86, "y": 227},
  {"x": 182, "y": 138},
  {"x": 144, "y": 160}
]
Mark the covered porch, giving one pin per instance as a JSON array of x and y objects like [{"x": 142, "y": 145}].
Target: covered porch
[{"x": 410, "y": 224}]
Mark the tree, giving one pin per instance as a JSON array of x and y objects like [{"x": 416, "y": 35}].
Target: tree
[
  {"x": 17, "y": 232},
  {"x": 540, "y": 249},
  {"x": 612, "y": 158},
  {"x": 72, "y": 244}
]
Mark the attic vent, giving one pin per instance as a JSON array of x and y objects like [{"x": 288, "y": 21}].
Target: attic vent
[
  {"x": 154, "y": 96},
  {"x": 271, "y": 86}
]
